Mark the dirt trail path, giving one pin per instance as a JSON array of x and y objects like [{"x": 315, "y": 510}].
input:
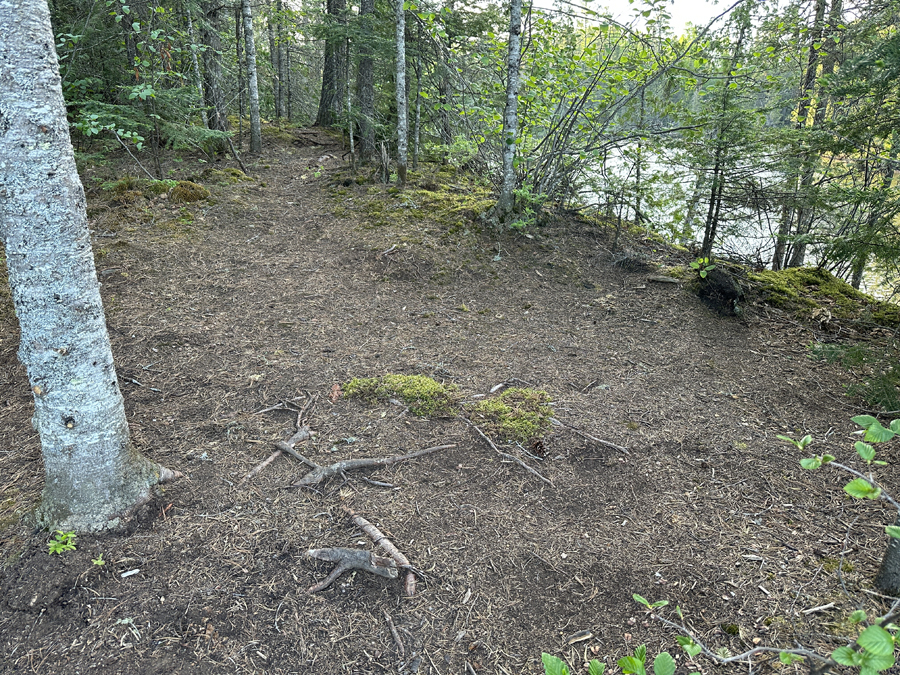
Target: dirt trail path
[{"x": 269, "y": 295}]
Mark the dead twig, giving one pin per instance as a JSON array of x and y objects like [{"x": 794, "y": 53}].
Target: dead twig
[
  {"x": 394, "y": 633},
  {"x": 287, "y": 446},
  {"x": 320, "y": 473},
  {"x": 505, "y": 454},
  {"x": 387, "y": 546},
  {"x": 351, "y": 559},
  {"x": 589, "y": 437}
]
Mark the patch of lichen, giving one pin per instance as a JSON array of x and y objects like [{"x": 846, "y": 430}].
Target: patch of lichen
[
  {"x": 516, "y": 415},
  {"x": 187, "y": 191},
  {"x": 804, "y": 289},
  {"x": 423, "y": 395}
]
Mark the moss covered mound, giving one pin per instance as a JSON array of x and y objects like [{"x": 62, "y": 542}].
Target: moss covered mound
[
  {"x": 516, "y": 415},
  {"x": 423, "y": 395},
  {"x": 186, "y": 191},
  {"x": 806, "y": 289}
]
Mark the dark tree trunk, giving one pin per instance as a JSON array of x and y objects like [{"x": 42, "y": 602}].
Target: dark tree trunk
[
  {"x": 365, "y": 82},
  {"x": 888, "y": 578},
  {"x": 331, "y": 101},
  {"x": 212, "y": 61}
]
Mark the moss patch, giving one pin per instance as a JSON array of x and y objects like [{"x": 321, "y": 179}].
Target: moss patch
[
  {"x": 516, "y": 415},
  {"x": 186, "y": 191},
  {"x": 423, "y": 395},
  {"x": 806, "y": 289}
]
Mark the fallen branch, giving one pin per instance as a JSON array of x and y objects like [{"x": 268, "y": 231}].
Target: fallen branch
[
  {"x": 505, "y": 454},
  {"x": 388, "y": 547},
  {"x": 589, "y": 437},
  {"x": 320, "y": 473},
  {"x": 287, "y": 446},
  {"x": 351, "y": 559}
]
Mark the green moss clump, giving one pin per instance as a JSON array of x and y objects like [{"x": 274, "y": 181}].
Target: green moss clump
[
  {"x": 807, "y": 288},
  {"x": 186, "y": 191},
  {"x": 516, "y": 415},
  {"x": 423, "y": 395}
]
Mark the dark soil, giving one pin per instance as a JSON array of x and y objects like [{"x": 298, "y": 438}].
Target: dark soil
[{"x": 276, "y": 289}]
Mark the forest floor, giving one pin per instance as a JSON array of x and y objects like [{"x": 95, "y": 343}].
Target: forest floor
[{"x": 229, "y": 314}]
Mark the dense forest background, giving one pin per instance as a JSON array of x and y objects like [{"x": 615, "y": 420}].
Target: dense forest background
[{"x": 766, "y": 136}]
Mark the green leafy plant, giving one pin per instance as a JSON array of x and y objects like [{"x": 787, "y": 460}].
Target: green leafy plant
[
  {"x": 98, "y": 561},
  {"x": 703, "y": 267},
  {"x": 553, "y": 665},
  {"x": 61, "y": 542}
]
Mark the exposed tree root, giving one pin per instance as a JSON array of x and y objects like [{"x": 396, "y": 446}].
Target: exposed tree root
[
  {"x": 320, "y": 473},
  {"x": 589, "y": 437},
  {"x": 379, "y": 539},
  {"x": 351, "y": 559}
]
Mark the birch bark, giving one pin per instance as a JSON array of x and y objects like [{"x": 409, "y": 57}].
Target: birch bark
[
  {"x": 252, "y": 81},
  {"x": 93, "y": 472}
]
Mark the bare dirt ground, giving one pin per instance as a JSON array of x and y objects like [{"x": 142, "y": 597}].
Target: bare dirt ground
[{"x": 280, "y": 287}]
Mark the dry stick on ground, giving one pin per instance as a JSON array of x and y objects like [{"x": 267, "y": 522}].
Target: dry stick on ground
[
  {"x": 303, "y": 433},
  {"x": 351, "y": 559},
  {"x": 379, "y": 539},
  {"x": 320, "y": 473},
  {"x": 589, "y": 437},
  {"x": 505, "y": 454},
  {"x": 394, "y": 633}
]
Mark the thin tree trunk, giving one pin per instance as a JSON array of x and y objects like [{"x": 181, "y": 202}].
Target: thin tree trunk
[
  {"x": 215, "y": 99},
  {"x": 238, "y": 22},
  {"x": 365, "y": 82},
  {"x": 505, "y": 201},
  {"x": 93, "y": 473},
  {"x": 400, "y": 83},
  {"x": 279, "y": 51},
  {"x": 252, "y": 83},
  {"x": 195, "y": 64},
  {"x": 273, "y": 57}
]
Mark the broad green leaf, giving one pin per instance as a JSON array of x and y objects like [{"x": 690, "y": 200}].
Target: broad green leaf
[
  {"x": 806, "y": 440},
  {"x": 788, "y": 658},
  {"x": 827, "y": 458},
  {"x": 664, "y": 664},
  {"x": 878, "y": 434},
  {"x": 811, "y": 463},
  {"x": 640, "y": 652},
  {"x": 690, "y": 647},
  {"x": 860, "y": 488},
  {"x": 847, "y": 656},
  {"x": 895, "y": 426},
  {"x": 892, "y": 531},
  {"x": 865, "y": 421},
  {"x": 660, "y": 603},
  {"x": 877, "y": 662},
  {"x": 864, "y": 450},
  {"x": 640, "y": 599},
  {"x": 596, "y": 667},
  {"x": 553, "y": 665},
  {"x": 631, "y": 666},
  {"x": 876, "y": 641}
]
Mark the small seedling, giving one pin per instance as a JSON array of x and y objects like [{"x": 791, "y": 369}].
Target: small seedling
[
  {"x": 703, "y": 266},
  {"x": 98, "y": 561},
  {"x": 62, "y": 541}
]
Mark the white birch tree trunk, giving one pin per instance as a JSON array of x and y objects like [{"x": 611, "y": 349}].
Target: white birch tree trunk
[
  {"x": 505, "y": 201},
  {"x": 93, "y": 472},
  {"x": 402, "y": 113},
  {"x": 252, "y": 82}
]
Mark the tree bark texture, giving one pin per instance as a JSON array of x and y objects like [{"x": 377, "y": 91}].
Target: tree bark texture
[
  {"x": 331, "y": 100},
  {"x": 888, "y": 578},
  {"x": 252, "y": 83},
  {"x": 365, "y": 81},
  {"x": 212, "y": 64},
  {"x": 195, "y": 63},
  {"x": 93, "y": 472},
  {"x": 510, "y": 117},
  {"x": 402, "y": 113}
]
